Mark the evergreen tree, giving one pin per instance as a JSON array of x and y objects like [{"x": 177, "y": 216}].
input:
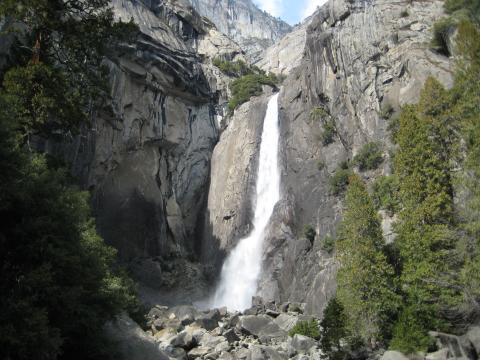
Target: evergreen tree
[
  {"x": 365, "y": 279},
  {"x": 333, "y": 330},
  {"x": 425, "y": 230}
]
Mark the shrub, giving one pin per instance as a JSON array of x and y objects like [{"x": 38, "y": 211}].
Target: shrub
[
  {"x": 236, "y": 68},
  {"x": 385, "y": 193},
  {"x": 441, "y": 31},
  {"x": 410, "y": 333},
  {"x": 386, "y": 111},
  {"x": 247, "y": 86},
  {"x": 318, "y": 113},
  {"x": 306, "y": 328},
  {"x": 404, "y": 13},
  {"x": 309, "y": 233},
  {"x": 328, "y": 243},
  {"x": 329, "y": 132},
  {"x": 333, "y": 330},
  {"x": 369, "y": 157},
  {"x": 339, "y": 181}
]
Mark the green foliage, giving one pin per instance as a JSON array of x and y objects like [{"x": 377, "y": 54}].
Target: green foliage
[
  {"x": 369, "y": 157},
  {"x": 333, "y": 330},
  {"x": 75, "y": 35},
  {"x": 470, "y": 8},
  {"x": 67, "y": 288},
  {"x": 409, "y": 332},
  {"x": 320, "y": 165},
  {"x": 365, "y": 280},
  {"x": 328, "y": 243},
  {"x": 329, "y": 132},
  {"x": 442, "y": 29},
  {"x": 385, "y": 194},
  {"x": 42, "y": 101},
  {"x": 306, "y": 328},
  {"x": 466, "y": 93},
  {"x": 309, "y": 233},
  {"x": 59, "y": 282},
  {"x": 236, "y": 68},
  {"x": 386, "y": 111},
  {"x": 319, "y": 113},
  {"x": 339, "y": 181},
  {"x": 425, "y": 230},
  {"x": 247, "y": 86}
]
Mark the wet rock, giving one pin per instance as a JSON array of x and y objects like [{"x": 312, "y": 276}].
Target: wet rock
[
  {"x": 473, "y": 335},
  {"x": 208, "y": 320},
  {"x": 231, "y": 336}
]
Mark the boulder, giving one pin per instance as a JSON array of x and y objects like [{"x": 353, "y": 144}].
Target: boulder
[
  {"x": 286, "y": 321},
  {"x": 132, "y": 342},
  {"x": 185, "y": 314},
  {"x": 393, "y": 355},
  {"x": 198, "y": 352},
  {"x": 441, "y": 354},
  {"x": 473, "y": 335},
  {"x": 302, "y": 344},
  {"x": 261, "y": 326},
  {"x": 208, "y": 320},
  {"x": 184, "y": 340},
  {"x": 231, "y": 336}
]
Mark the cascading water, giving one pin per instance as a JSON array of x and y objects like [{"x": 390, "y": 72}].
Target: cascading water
[{"x": 241, "y": 270}]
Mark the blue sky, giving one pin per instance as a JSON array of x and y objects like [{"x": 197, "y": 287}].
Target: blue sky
[{"x": 292, "y": 11}]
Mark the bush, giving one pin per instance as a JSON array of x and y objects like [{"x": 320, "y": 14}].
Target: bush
[
  {"x": 328, "y": 243},
  {"x": 329, "y": 132},
  {"x": 410, "y": 333},
  {"x": 386, "y": 111},
  {"x": 309, "y": 233},
  {"x": 441, "y": 31},
  {"x": 369, "y": 157},
  {"x": 404, "y": 13},
  {"x": 318, "y": 113},
  {"x": 385, "y": 193},
  {"x": 247, "y": 86},
  {"x": 320, "y": 165},
  {"x": 339, "y": 180},
  {"x": 306, "y": 328},
  {"x": 333, "y": 330},
  {"x": 236, "y": 68}
]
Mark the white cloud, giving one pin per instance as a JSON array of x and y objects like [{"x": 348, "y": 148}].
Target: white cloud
[
  {"x": 273, "y": 7},
  {"x": 311, "y": 6}
]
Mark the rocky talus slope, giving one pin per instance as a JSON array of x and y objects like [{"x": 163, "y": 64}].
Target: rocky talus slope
[
  {"x": 357, "y": 58},
  {"x": 259, "y": 333},
  {"x": 253, "y": 29}
]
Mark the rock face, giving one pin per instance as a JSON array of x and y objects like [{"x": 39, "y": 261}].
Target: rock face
[
  {"x": 146, "y": 156},
  {"x": 253, "y": 29},
  {"x": 286, "y": 54},
  {"x": 232, "y": 184},
  {"x": 359, "y": 57}
]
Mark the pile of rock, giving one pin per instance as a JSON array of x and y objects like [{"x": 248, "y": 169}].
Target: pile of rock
[{"x": 261, "y": 332}]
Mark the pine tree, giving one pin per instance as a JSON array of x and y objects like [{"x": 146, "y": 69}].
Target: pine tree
[
  {"x": 333, "y": 330},
  {"x": 365, "y": 279},
  {"x": 425, "y": 230}
]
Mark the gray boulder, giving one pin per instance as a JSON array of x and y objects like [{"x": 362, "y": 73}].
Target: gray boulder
[
  {"x": 261, "y": 326},
  {"x": 393, "y": 355},
  {"x": 302, "y": 344},
  {"x": 132, "y": 342}
]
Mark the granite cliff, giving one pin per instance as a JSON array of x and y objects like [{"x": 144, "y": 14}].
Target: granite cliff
[
  {"x": 253, "y": 29},
  {"x": 352, "y": 59}
]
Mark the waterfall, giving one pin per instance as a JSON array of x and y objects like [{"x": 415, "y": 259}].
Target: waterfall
[{"x": 241, "y": 270}]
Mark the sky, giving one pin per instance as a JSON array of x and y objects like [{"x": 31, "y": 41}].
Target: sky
[{"x": 292, "y": 11}]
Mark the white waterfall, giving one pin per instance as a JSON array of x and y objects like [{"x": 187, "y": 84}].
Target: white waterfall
[{"x": 241, "y": 270}]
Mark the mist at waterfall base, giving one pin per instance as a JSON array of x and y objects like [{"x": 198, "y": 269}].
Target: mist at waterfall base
[{"x": 241, "y": 270}]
